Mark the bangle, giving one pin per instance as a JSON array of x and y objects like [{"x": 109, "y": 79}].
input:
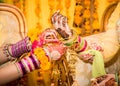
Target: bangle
[
  {"x": 18, "y": 69},
  {"x": 25, "y": 65},
  {"x": 22, "y": 67},
  {"x": 21, "y": 47},
  {"x": 81, "y": 45},
  {"x": 84, "y": 46},
  {"x": 28, "y": 63},
  {"x": 31, "y": 64},
  {"x": 71, "y": 40},
  {"x": 35, "y": 61}
]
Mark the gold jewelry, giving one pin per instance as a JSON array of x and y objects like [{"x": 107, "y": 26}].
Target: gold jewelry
[
  {"x": 7, "y": 53},
  {"x": 19, "y": 70}
]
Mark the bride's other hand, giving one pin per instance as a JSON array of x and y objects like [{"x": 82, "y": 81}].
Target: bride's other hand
[{"x": 60, "y": 24}]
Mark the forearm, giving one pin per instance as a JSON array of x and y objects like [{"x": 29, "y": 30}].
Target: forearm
[
  {"x": 9, "y": 73},
  {"x": 16, "y": 70}
]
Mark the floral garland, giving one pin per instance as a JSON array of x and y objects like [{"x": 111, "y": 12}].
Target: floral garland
[
  {"x": 33, "y": 34},
  {"x": 20, "y": 4},
  {"x": 86, "y": 17},
  {"x": 37, "y": 12},
  {"x": 67, "y": 4},
  {"x": 43, "y": 58},
  {"x": 38, "y": 51},
  {"x": 42, "y": 41},
  {"x": 59, "y": 5},
  {"x": 51, "y": 4}
]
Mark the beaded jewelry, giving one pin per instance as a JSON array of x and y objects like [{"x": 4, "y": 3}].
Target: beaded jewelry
[{"x": 7, "y": 53}]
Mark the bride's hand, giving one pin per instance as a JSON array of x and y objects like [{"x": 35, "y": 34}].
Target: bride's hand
[{"x": 61, "y": 25}]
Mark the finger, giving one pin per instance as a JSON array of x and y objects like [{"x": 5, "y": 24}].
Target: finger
[
  {"x": 64, "y": 21},
  {"x": 53, "y": 20},
  {"x": 59, "y": 18},
  {"x": 57, "y": 21}
]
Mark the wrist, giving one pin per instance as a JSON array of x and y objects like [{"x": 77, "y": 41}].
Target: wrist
[
  {"x": 65, "y": 34},
  {"x": 28, "y": 64},
  {"x": 72, "y": 39}
]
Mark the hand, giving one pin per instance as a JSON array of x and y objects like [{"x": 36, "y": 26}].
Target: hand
[
  {"x": 105, "y": 80},
  {"x": 55, "y": 51},
  {"x": 60, "y": 24},
  {"x": 49, "y": 36},
  {"x": 87, "y": 57},
  {"x": 46, "y": 37}
]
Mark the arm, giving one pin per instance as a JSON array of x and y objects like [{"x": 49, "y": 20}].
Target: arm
[
  {"x": 16, "y": 70},
  {"x": 71, "y": 39},
  {"x": 11, "y": 51}
]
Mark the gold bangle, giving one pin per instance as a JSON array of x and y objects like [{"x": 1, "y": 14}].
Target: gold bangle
[{"x": 19, "y": 70}]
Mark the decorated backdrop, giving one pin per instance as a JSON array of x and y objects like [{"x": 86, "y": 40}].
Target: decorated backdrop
[{"x": 84, "y": 16}]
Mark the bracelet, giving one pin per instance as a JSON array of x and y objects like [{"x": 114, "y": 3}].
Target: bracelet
[
  {"x": 22, "y": 67},
  {"x": 71, "y": 40},
  {"x": 117, "y": 78},
  {"x": 21, "y": 47},
  {"x": 28, "y": 64},
  {"x": 81, "y": 45},
  {"x": 18, "y": 69},
  {"x": 35, "y": 61},
  {"x": 84, "y": 46},
  {"x": 25, "y": 64},
  {"x": 7, "y": 53},
  {"x": 31, "y": 64}
]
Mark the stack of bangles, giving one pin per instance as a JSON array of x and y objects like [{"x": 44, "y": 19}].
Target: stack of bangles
[
  {"x": 21, "y": 47},
  {"x": 80, "y": 45},
  {"x": 27, "y": 64},
  {"x": 77, "y": 43}
]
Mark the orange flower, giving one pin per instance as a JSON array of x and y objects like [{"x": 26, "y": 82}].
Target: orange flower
[
  {"x": 77, "y": 19},
  {"x": 87, "y": 13},
  {"x": 44, "y": 60},
  {"x": 95, "y": 24},
  {"x": 78, "y": 8}
]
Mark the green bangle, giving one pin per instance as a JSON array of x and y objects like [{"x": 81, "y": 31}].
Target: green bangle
[
  {"x": 71, "y": 40},
  {"x": 116, "y": 78}
]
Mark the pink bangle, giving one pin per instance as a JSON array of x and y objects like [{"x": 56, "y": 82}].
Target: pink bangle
[
  {"x": 80, "y": 45},
  {"x": 19, "y": 69},
  {"x": 21, "y": 47},
  {"x": 84, "y": 47},
  {"x": 28, "y": 63},
  {"x": 25, "y": 65}
]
